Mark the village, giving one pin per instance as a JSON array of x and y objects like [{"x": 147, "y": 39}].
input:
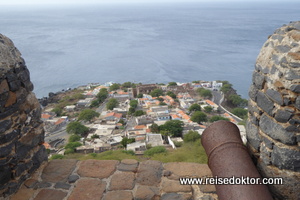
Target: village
[{"x": 125, "y": 116}]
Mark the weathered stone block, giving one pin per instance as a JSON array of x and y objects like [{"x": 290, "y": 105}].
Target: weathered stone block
[
  {"x": 5, "y": 125},
  {"x": 88, "y": 189},
  {"x": 128, "y": 165},
  {"x": 276, "y": 131},
  {"x": 50, "y": 194},
  {"x": 24, "y": 75},
  {"x": 119, "y": 194},
  {"x": 20, "y": 168},
  {"x": 58, "y": 170},
  {"x": 295, "y": 88},
  {"x": 149, "y": 173},
  {"x": 290, "y": 188},
  {"x": 265, "y": 154},
  {"x": 265, "y": 103},
  {"x": 61, "y": 185},
  {"x": 9, "y": 137},
  {"x": 170, "y": 186},
  {"x": 5, "y": 174},
  {"x": 268, "y": 143},
  {"x": 6, "y": 150},
  {"x": 275, "y": 96},
  {"x": 297, "y": 103},
  {"x": 283, "y": 48},
  {"x": 258, "y": 80},
  {"x": 97, "y": 168},
  {"x": 142, "y": 192},
  {"x": 14, "y": 85},
  {"x": 291, "y": 75},
  {"x": 39, "y": 157},
  {"x": 277, "y": 37},
  {"x": 122, "y": 181},
  {"x": 286, "y": 158},
  {"x": 283, "y": 116},
  {"x": 253, "y": 92},
  {"x": 253, "y": 135},
  {"x": 171, "y": 196},
  {"x": 4, "y": 86},
  {"x": 73, "y": 178},
  {"x": 294, "y": 64}
]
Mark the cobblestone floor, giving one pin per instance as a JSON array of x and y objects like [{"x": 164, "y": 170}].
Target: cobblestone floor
[{"x": 115, "y": 180}]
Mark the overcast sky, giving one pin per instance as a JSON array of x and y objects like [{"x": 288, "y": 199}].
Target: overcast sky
[{"x": 7, "y": 2}]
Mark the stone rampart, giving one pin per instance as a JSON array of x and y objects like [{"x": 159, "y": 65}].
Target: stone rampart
[
  {"x": 273, "y": 126},
  {"x": 21, "y": 130}
]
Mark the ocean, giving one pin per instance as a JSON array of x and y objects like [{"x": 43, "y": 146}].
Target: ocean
[{"x": 68, "y": 46}]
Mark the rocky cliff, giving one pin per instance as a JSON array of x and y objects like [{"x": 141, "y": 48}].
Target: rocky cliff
[
  {"x": 273, "y": 127},
  {"x": 21, "y": 130}
]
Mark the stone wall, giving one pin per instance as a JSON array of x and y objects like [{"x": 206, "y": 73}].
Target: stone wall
[
  {"x": 21, "y": 130},
  {"x": 273, "y": 126}
]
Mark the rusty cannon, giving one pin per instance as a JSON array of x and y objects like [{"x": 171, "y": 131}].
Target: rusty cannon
[{"x": 234, "y": 173}]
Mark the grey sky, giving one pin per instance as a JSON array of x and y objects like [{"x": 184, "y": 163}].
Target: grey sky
[{"x": 8, "y": 2}]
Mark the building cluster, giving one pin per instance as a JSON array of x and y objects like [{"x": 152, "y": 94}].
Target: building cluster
[{"x": 107, "y": 131}]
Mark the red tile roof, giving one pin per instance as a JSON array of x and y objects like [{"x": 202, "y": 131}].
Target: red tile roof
[
  {"x": 140, "y": 127},
  {"x": 117, "y": 115},
  {"x": 46, "y": 116},
  {"x": 59, "y": 121},
  {"x": 210, "y": 102}
]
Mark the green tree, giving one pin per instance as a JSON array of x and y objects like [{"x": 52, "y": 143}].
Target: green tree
[
  {"x": 122, "y": 122},
  {"x": 236, "y": 100},
  {"x": 139, "y": 96},
  {"x": 126, "y": 141},
  {"x": 226, "y": 87},
  {"x": 95, "y": 103},
  {"x": 131, "y": 111},
  {"x": 114, "y": 86},
  {"x": 138, "y": 113},
  {"x": 172, "y": 84},
  {"x": 194, "y": 107},
  {"x": 74, "y": 138},
  {"x": 102, "y": 95},
  {"x": 87, "y": 115},
  {"x": 73, "y": 145},
  {"x": 199, "y": 117},
  {"x": 154, "y": 128},
  {"x": 195, "y": 81},
  {"x": 191, "y": 136},
  {"x": 95, "y": 136},
  {"x": 76, "y": 128},
  {"x": 133, "y": 103},
  {"x": 217, "y": 118},
  {"x": 112, "y": 103},
  {"x": 174, "y": 127},
  {"x": 240, "y": 112},
  {"x": 171, "y": 94},
  {"x": 208, "y": 109},
  {"x": 204, "y": 93},
  {"x": 162, "y": 103},
  {"x": 157, "y": 92},
  {"x": 58, "y": 111},
  {"x": 160, "y": 99},
  {"x": 128, "y": 85}
]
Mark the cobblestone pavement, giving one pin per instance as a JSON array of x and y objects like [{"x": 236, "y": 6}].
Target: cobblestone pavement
[{"x": 114, "y": 180}]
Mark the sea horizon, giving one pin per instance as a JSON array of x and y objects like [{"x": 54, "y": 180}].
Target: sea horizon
[{"x": 69, "y": 46}]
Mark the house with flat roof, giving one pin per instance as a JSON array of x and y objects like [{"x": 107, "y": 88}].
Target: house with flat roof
[
  {"x": 154, "y": 139},
  {"x": 136, "y": 146}
]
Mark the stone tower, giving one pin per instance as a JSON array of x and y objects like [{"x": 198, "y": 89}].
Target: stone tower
[
  {"x": 21, "y": 130},
  {"x": 273, "y": 126}
]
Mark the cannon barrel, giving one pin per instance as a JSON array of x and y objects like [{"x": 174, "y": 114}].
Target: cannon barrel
[{"x": 228, "y": 157}]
